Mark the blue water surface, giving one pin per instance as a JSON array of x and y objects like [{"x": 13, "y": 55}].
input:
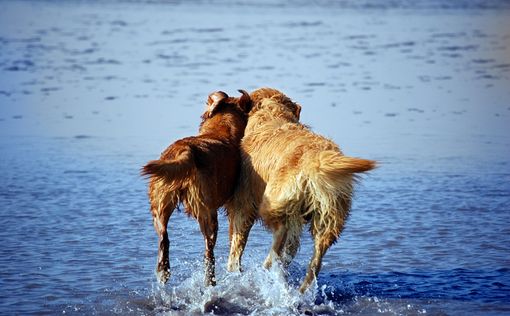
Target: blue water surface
[{"x": 90, "y": 91}]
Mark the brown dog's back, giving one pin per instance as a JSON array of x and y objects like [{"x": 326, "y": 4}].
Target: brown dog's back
[
  {"x": 176, "y": 163},
  {"x": 194, "y": 168}
]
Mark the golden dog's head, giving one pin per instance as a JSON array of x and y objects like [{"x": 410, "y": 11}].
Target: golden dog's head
[{"x": 275, "y": 101}]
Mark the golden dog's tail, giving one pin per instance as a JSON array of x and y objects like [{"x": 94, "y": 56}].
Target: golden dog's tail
[
  {"x": 180, "y": 167},
  {"x": 332, "y": 162}
]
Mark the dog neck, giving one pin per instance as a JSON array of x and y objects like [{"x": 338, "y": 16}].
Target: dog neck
[
  {"x": 272, "y": 115},
  {"x": 227, "y": 126}
]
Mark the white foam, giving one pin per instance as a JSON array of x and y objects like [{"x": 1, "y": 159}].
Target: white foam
[{"x": 254, "y": 291}]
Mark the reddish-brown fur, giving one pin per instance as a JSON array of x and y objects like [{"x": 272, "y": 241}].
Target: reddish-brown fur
[{"x": 201, "y": 173}]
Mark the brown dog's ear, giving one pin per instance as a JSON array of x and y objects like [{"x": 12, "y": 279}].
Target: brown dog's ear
[
  {"x": 297, "y": 112},
  {"x": 214, "y": 100},
  {"x": 245, "y": 101}
]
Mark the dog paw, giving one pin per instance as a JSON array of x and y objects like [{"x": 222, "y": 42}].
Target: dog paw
[
  {"x": 303, "y": 288},
  {"x": 210, "y": 282},
  {"x": 268, "y": 263},
  {"x": 163, "y": 275},
  {"x": 233, "y": 267}
]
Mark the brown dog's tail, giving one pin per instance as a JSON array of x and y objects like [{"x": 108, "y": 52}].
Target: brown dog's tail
[
  {"x": 180, "y": 167},
  {"x": 332, "y": 162}
]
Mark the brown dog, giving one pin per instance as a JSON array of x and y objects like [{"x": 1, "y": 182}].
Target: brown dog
[
  {"x": 201, "y": 172},
  {"x": 290, "y": 176}
]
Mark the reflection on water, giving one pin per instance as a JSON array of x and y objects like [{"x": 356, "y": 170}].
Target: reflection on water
[{"x": 89, "y": 93}]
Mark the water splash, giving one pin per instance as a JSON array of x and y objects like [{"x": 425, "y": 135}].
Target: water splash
[{"x": 253, "y": 291}]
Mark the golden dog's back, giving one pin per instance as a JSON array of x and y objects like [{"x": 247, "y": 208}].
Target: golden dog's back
[{"x": 286, "y": 162}]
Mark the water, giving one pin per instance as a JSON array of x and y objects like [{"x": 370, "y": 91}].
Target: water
[{"x": 90, "y": 91}]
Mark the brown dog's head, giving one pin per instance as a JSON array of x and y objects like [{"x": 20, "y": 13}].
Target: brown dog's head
[
  {"x": 219, "y": 101},
  {"x": 259, "y": 95}
]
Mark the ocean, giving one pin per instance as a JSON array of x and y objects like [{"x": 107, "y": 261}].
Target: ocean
[{"x": 92, "y": 90}]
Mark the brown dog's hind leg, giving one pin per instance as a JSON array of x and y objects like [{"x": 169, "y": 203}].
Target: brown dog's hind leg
[
  {"x": 160, "y": 220},
  {"x": 209, "y": 227},
  {"x": 239, "y": 229}
]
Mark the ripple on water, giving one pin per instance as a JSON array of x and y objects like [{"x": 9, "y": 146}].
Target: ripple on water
[{"x": 428, "y": 231}]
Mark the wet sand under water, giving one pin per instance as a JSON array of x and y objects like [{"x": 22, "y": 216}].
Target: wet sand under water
[{"x": 89, "y": 92}]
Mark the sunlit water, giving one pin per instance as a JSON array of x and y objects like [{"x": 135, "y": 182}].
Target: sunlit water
[{"x": 91, "y": 91}]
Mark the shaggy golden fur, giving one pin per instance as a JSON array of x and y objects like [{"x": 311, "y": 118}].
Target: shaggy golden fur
[
  {"x": 200, "y": 172},
  {"x": 290, "y": 176}
]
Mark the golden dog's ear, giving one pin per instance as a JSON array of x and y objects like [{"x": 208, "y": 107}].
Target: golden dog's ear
[
  {"x": 245, "y": 101},
  {"x": 214, "y": 101},
  {"x": 297, "y": 112}
]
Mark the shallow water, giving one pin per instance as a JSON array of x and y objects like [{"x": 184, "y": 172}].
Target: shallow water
[{"x": 90, "y": 91}]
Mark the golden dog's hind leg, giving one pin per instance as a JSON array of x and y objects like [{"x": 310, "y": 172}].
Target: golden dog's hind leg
[
  {"x": 326, "y": 225},
  {"x": 279, "y": 239},
  {"x": 209, "y": 227},
  {"x": 160, "y": 219},
  {"x": 325, "y": 231},
  {"x": 321, "y": 245},
  {"x": 239, "y": 229},
  {"x": 292, "y": 243}
]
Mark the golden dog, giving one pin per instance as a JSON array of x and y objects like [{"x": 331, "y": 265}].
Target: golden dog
[
  {"x": 201, "y": 172},
  {"x": 290, "y": 176}
]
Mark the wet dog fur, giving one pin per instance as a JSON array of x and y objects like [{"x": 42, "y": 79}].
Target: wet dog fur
[
  {"x": 200, "y": 172},
  {"x": 290, "y": 176}
]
